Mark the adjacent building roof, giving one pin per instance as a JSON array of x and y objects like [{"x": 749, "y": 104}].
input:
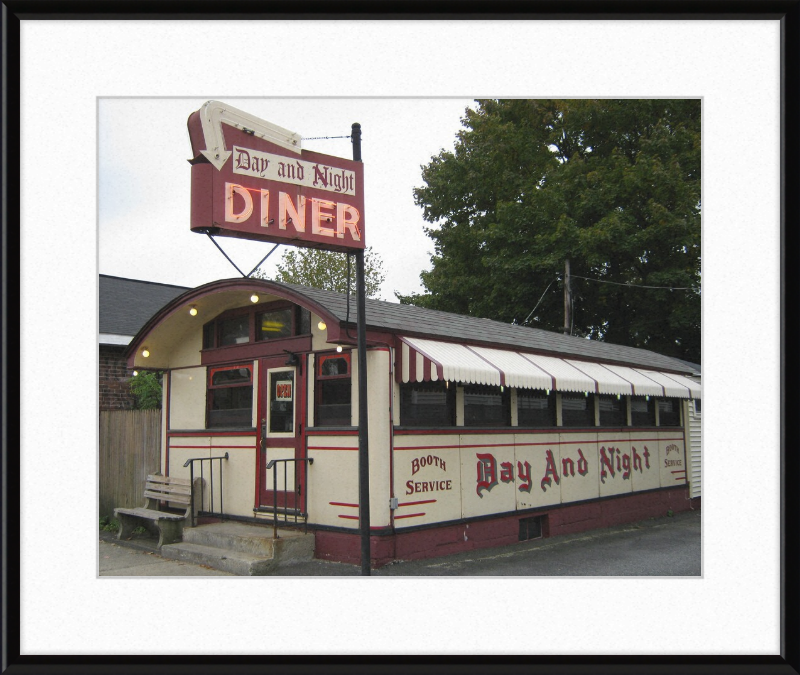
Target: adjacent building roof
[{"x": 126, "y": 305}]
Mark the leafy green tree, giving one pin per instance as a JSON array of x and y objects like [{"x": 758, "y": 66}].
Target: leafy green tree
[
  {"x": 328, "y": 270},
  {"x": 613, "y": 186},
  {"x": 146, "y": 388}
]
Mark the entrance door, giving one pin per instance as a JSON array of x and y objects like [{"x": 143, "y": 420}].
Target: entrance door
[{"x": 282, "y": 399}]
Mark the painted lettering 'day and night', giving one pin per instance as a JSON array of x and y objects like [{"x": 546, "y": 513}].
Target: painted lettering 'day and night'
[{"x": 612, "y": 461}]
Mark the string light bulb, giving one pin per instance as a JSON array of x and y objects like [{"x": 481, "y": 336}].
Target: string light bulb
[
  {"x": 145, "y": 352},
  {"x": 193, "y": 310},
  {"x": 254, "y": 298},
  {"x": 338, "y": 348},
  {"x": 135, "y": 373},
  {"x": 322, "y": 325}
]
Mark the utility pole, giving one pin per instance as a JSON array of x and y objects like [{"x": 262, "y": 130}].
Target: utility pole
[
  {"x": 567, "y": 300},
  {"x": 363, "y": 429}
]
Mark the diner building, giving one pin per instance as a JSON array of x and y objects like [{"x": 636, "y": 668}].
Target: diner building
[{"x": 481, "y": 433}]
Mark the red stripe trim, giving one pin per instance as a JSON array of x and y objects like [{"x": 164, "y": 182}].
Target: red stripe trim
[
  {"x": 314, "y": 434},
  {"x": 212, "y": 434},
  {"x": 679, "y": 471},
  {"x": 410, "y": 515},
  {"x": 425, "y": 501},
  {"x": 349, "y": 517},
  {"x": 325, "y": 447},
  {"x": 439, "y": 368},
  {"x": 214, "y": 447},
  {"x": 343, "y": 504},
  {"x": 520, "y": 445}
]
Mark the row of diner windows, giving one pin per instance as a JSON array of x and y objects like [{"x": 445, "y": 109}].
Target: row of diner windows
[{"x": 436, "y": 404}]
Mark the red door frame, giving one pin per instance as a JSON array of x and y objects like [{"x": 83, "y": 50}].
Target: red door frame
[{"x": 264, "y": 497}]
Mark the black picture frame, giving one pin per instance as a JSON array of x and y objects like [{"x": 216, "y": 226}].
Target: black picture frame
[{"x": 786, "y": 11}]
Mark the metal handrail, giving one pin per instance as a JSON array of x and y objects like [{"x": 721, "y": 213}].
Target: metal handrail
[
  {"x": 273, "y": 464},
  {"x": 190, "y": 463}
]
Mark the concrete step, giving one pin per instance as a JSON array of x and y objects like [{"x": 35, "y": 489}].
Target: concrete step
[
  {"x": 253, "y": 539},
  {"x": 235, "y": 562},
  {"x": 239, "y": 548}
]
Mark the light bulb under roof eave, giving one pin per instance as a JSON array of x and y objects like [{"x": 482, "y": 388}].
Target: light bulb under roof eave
[
  {"x": 254, "y": 297},
  {"x": 193, "y": 310}
]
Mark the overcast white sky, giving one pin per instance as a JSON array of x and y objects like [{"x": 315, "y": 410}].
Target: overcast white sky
[{"x": 144, "y": 182}]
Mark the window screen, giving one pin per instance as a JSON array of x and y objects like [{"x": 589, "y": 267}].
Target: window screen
[
  {"x": 577, "y": 410},
  {"x": 612, "y": 412},
  {"x": 486, "y": 406},
  {"x": 669, "y": 412},
  {"x": 427, "y": 404},
  {"x": 536, "y": 408},
  {"x": 643, "y": 412}
]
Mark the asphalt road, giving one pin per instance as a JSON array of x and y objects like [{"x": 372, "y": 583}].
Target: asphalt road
[{"x": 659, "y": 547}]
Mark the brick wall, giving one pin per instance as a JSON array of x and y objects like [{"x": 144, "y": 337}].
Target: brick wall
[{"x": 115, "y": 394}]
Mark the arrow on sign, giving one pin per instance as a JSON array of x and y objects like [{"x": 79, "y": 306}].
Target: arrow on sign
[{"x": 214, "y": 113}]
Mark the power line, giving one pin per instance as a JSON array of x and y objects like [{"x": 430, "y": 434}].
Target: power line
[{"x": 617, "y": 283}]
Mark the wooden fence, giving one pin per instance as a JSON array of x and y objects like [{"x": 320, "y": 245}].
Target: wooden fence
[{"x": 130, "y": 448}]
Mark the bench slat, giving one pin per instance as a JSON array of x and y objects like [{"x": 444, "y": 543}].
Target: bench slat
[
  {"x": 176, "y": 489},
  {"x": 168, "y": 497},
  {"x": 149, "y": 514},
  {"x": 152, "y": 478}
]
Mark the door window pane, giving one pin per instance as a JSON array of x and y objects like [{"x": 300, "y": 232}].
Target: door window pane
[
  {"x": 281, "y": 402},
  {"x": 669, "y": 412}
]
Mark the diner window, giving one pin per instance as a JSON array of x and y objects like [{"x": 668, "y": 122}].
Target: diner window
[
  {"x": 234, "y": 331},
  {"x": 612, "y": 411},
  {"x": 577, "y": 410},
  {"x": 303, "y": 321},
  {"x": 643, "y": 412},
  {"x": 274, "y": 325},
  {"x": 230, "y": 397},
  {"x": 669, "y": 414},
  {"x": 333, "y": 391},
  {"x": 536, "y": 408},
  {"x": 428, "y": 404},
  {"x": 697, "y": 408},
  {"x": 487, "y": 406}
]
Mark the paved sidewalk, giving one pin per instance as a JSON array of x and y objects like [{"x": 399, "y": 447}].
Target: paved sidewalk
[
  {"x": 120, "y": 560},
  {"x": 658, "y": 547}
]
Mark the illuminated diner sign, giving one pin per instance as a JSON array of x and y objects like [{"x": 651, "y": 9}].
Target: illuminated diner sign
[{"x": 252, "y": 180}]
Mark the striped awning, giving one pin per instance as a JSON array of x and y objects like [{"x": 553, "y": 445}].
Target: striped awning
[{"x": 431, "y": 361}]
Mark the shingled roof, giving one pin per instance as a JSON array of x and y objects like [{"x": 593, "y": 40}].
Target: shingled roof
[
  {"x": 126, "y": 304},
  {"x": 427, "y": 323}
]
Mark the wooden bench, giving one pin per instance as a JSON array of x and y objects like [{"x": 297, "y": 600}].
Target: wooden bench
[{"x": 170, "y": 525}]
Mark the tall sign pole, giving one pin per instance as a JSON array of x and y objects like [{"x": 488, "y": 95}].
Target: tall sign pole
[{"x": 363, "y": 428}]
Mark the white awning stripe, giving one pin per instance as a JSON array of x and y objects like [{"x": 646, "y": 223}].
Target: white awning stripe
[
  {"x": 671, "y": 387},
  {"x": 429, "y": 360},
  {"x": 693, "y": 386},
  {"x": 642, "y": 386}
]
